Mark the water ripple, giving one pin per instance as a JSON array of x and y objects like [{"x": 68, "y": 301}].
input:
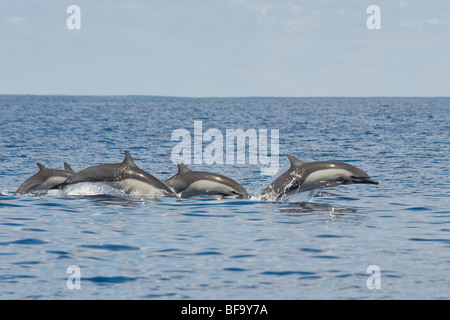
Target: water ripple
[
  {"x": 287, "y": 273},
  {"x": 110, "y": 247},
  {"x": 111, "y": 280},
  {"x": 430, "y": 240},
  {"x": 28, "y": 241}
]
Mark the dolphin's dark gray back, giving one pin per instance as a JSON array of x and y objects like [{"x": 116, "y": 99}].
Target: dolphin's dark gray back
[
  {"x": 114, "y": 173},
  {"x": 305, "y": 176},
  {"x": 185, "y": 178},
  {"x": 45, "y": 179}
]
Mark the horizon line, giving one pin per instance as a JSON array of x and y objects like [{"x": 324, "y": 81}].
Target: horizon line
[{"x": 209, "y": 97}]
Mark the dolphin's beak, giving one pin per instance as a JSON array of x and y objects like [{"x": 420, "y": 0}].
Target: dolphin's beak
[
  {"x": 369, "y": 181},
  {"x": 241, "y": 195},
  {"x": 363, "y": 180}
]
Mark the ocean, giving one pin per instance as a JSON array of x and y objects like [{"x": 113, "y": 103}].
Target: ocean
[{"x": 386, "y": 241}]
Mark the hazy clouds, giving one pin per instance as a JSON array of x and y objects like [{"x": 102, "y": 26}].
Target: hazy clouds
[{"x": 226, "y": 48}]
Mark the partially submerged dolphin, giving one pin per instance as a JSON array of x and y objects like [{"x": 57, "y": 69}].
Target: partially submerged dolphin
[
  {"x": 189, "y": 183},
  {"x": 304, "y": 176},
  {"x": 45, "y": 179},
  {"x": 125, "y": 176}
]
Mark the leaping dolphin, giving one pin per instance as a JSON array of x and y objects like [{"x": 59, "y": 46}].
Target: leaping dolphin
[
  {"x": 45, "y": 179},
  {"x": 189, "y": 183},
  {"x": 304, "y": 176},
  {"x": 125, "y": 176}
]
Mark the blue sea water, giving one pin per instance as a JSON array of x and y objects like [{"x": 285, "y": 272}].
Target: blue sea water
[{"x": 315, "y": 246}]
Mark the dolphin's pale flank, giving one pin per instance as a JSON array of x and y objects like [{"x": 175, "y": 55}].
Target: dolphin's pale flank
[
  {"x": 304, "y": 176},
  {"x": 125, "y": 176},
  {"x": 189, "y": 183},
  {"x": 45, "y": 179}
]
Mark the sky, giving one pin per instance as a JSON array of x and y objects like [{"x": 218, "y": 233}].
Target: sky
[{"x": 225, "y": 48}]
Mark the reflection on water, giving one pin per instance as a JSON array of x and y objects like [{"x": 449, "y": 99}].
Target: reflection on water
[
  {"x": 317, "y": 211},
  {"x": 300, "y": 208}
]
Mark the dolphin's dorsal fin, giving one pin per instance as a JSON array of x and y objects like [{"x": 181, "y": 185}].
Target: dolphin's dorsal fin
[
  {"x": 67, "y": 167},
  {"x": 294, "y": 161},
  {"x": 182, "y": 168},
  {"x": 128, "y": 159},
  {"x": 41, "y": 167}
]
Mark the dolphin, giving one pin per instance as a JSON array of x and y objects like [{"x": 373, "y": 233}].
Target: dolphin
[
  {"x": 125, "y": 176},
  {"x": 304, "y": 176},
  {"x": 189, "y": 183},
  {"x": 45, "y": 179}
]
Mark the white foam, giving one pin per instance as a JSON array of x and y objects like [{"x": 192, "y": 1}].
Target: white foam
[
  {"x": 91, "y": 189},
  {"x": 4, "y": 192}
]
